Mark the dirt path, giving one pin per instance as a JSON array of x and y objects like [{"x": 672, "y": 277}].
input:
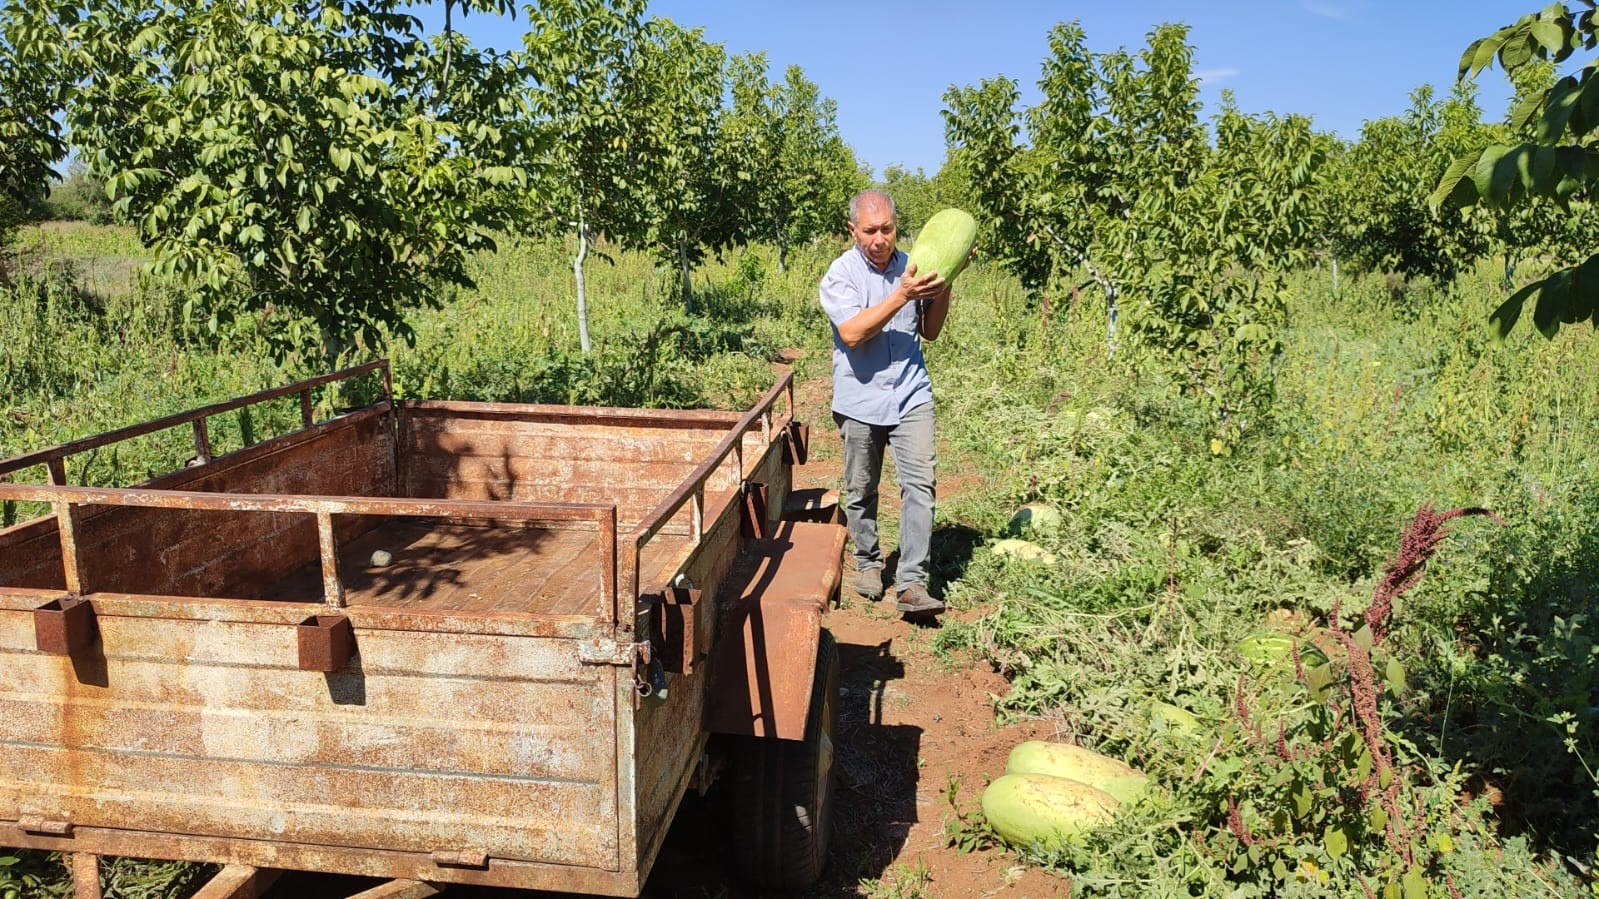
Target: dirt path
[{"x": 909, "y": 723}]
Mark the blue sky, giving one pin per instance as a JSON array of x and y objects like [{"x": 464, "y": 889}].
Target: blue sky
[{"x": 1342, "y": 62}]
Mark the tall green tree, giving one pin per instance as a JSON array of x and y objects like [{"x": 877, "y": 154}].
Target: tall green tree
[
  {"x": 1551, "y": 155},
  {"x": 313, "y": 165},
  {"x": 587, "y": 95},
  {"x": 1112, "y": 184},
  {"x": 35, "y": 82},
  {"x": 1388, "y": 223},
  {"x": 688, "y": 196},
  {"x": 793, "y": 171}
]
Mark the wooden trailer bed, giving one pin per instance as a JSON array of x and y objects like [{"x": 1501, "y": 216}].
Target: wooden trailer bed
[{"x": 470, "y": 708}]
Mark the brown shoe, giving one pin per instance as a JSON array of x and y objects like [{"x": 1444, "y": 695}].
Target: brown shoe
[
  {"x": 915, "y": 600},
  {"x": 869, "y": 583}
]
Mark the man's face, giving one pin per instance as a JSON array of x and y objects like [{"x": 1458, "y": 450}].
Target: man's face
[{"x": 874, "y": 233}]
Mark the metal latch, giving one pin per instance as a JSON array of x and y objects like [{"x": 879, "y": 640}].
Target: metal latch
[
  {"x": 461, "y": 858},
  {"x": 47, "y": 826}
]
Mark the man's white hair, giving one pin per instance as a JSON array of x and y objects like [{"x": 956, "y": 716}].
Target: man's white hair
[{"x": 878, "y": 195}]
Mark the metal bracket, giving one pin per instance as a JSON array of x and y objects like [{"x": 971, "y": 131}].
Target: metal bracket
[
  {"x": 39, "y": 824},
  {"x": 461, "y": 858}
]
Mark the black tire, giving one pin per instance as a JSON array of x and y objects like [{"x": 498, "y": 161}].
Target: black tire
[{"x": 782, "y": 803}]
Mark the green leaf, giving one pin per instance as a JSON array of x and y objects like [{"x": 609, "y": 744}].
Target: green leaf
[
  {"x": 1516, "y": 52},
  {"x": 1562, "y": 102},
  {"x": 1455, "y": 187},
  {"x": 1503, "y": 320},
  {"x": 1550, "y": 35},
  {"x": 1335, "y": 841},
  {"x": 1415, "y": 884},
  {"x": 1484, "y": 173},
  {"x": 1395, "y": 676},
  {"x": 1551, "y": 308}
]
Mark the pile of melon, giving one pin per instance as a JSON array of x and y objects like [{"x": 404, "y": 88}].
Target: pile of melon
[
  {"x": 1052, "y": 793},
  {"x": 1032, "y": 520}
]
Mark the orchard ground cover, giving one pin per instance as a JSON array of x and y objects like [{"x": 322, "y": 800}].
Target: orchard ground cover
[{"x": 1388, "y": 398}]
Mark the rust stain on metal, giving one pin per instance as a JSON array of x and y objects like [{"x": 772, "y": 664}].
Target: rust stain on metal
[
  {"x": 332, "y": 589},
  {"x": 461, "y": 858},
  {"x": 42, "y": 825},
  {"x": 400, "y": 889},
  {"x": 85, "y": 875},
  {"x": 681, "y": 641}
]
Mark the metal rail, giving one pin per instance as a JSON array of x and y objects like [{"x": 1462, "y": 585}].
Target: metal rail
[
  {"x": 65, "y": 500},
  {"x": 55, "y": 456},
  {"x": 693, "y": 488}
]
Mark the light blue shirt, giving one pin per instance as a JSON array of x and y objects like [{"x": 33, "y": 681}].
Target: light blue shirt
[{"x": 884, "y": 376}]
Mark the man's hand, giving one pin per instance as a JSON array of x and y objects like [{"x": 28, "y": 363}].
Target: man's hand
[{"x": 917, "y": 287}]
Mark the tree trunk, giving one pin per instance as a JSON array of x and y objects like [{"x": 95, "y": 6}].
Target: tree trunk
[
  {"x": 782, "y": 253},
  {"x": 1110, "y": 320},
  {"x": 333, "y": 346},
  {"x": 1335, "y": 276},
  {"x": 582, "y": 290},
  {"x": 688, "y": 285}
]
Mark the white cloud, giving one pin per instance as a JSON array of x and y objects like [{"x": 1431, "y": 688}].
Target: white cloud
[{"x": 1210, "y": 77}]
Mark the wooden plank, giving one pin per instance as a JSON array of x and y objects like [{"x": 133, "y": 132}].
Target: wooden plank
[
  {"x": 239, "y": 882},
  {"x": 517, "y": 471}
]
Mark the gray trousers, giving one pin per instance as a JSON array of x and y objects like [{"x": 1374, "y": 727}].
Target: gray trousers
[{"x": 911, "y": 442}]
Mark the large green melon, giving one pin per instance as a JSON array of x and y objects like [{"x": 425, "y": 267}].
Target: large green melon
[
  {"x": 1052, "y": 811},
  {"x": 944, "y": 244},
  {"x": 1114, "y": 776}
]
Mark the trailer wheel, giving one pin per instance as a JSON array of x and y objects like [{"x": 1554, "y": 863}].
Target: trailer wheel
[{"x": 783, "y": 791}]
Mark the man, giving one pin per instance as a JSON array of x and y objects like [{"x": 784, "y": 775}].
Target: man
[{"x": 882, "y": 395}]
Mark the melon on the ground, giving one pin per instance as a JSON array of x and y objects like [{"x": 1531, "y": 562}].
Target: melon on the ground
[
  {"x": 1102, "y": 772},
  {"x": 1035, "y": 517},
  {"x": 1018, "y": 548},
  {"x": 944, "y": 244},
  {"x": 1175, "y": 719},
  {"x": 1270, "y": 648},
  {"x": 1038, "y": 808}
]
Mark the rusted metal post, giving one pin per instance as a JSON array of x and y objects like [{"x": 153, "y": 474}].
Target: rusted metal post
[
  {"x": 67, "y": 526},
  {"x": 305, "y": 407},
  {"x": 332, "y": 587},
  {"x": 85, "y": 875},
  {"x": 400, "y": 889},
  {"x": 610, "y": 601},
  {"x": 202, "y": 441},
  {"x": 699, "y": 512},
  {"x": 239, "y": 882}
]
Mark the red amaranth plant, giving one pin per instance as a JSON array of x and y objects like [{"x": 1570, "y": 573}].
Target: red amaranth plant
[{"x": 1417, "y": 545}]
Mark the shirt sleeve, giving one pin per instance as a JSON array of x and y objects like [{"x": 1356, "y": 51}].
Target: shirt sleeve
[{"x": 841, "y": 296}]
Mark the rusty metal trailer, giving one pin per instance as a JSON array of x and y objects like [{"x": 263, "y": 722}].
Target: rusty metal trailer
[{"x": 430, "y": 642}]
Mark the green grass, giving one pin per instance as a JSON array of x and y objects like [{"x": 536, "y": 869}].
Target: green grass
[{"x": 1167, "y": 554}]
